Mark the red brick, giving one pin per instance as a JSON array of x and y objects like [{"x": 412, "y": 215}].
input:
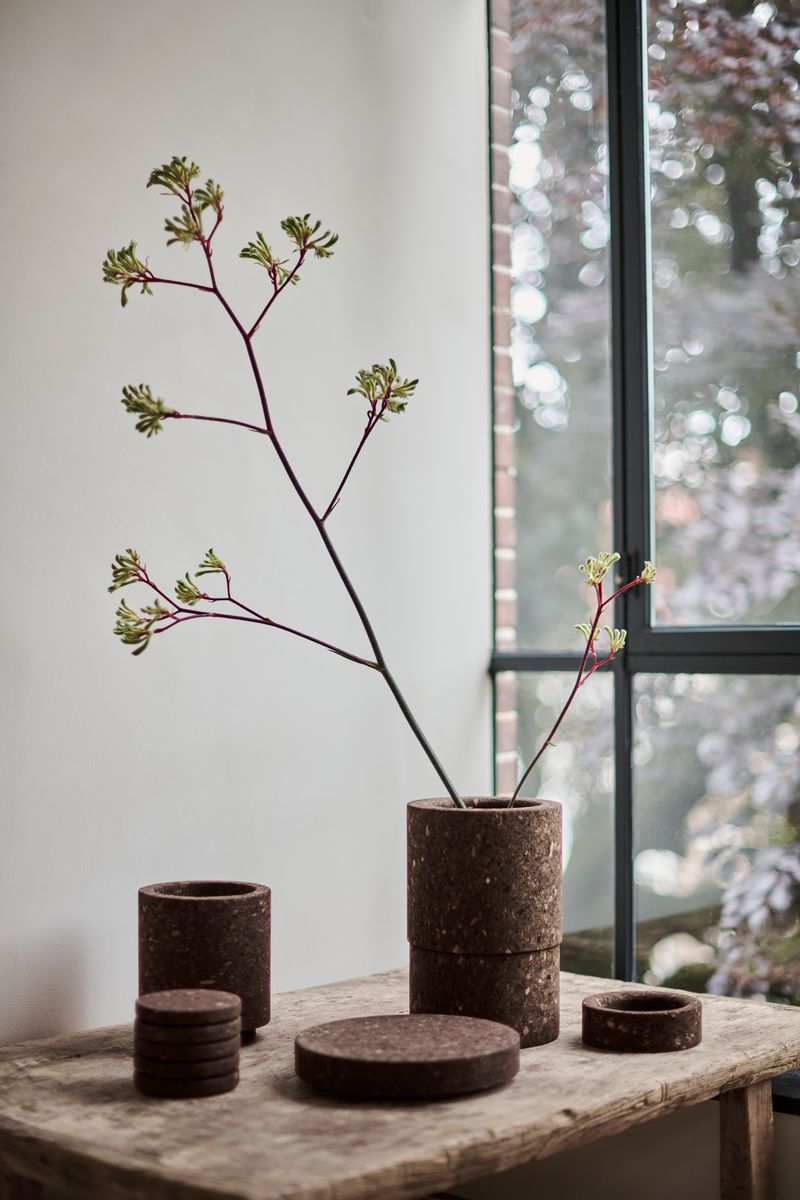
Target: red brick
[
  {"x": 507, "y": 774},
  {"x": 500, "y": 165},
  {"x": 501, "y": 328},
  {"x": 501, "y": 50},
  {"x": 501, "y": 124},
  {"x": 500, "y": 15},
  {"x": 506, "y": 691},
  {"x": 501, "y": 289},
  {"x": 505, "y": 534},
  {"x": 505, "y": 411},
  {"x": 505, "y": 489},
  {"x": 501, "y": 368},
  {"x": 501, "y": 205},
  {"x": 505, "y": 571},
  {"x": 506, "y": 613},
  {"x": 506, "y": 734},
  {"x": 501, "y": 246},
  {"x": 504, "y": 450}
]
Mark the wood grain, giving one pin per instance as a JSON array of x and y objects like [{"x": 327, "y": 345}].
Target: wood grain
[
  {"x": 746, "y": 1143},
  {"x": 69, "y": 1115},
  {"x": 12, "y": 1187}
]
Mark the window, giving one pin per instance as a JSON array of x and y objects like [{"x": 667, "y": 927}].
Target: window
[{"x": 647, "y": 399}]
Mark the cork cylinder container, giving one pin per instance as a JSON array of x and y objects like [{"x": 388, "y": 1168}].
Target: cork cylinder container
[
  {"x": 208, "y": 934},
  {"x": 485, "y": 912}
]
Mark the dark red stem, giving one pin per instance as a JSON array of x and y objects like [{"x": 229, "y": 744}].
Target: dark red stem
[
  {"x": 380, "y": 663},
  {"x": 580, "y": 679},
  {"x": 371, "y": 423},
  {"x": 276, "y": 292},
  {"x": 179, "y": 416}
]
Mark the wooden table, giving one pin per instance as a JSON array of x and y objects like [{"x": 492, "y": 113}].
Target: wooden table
[{"x": 70, "y": 1118}]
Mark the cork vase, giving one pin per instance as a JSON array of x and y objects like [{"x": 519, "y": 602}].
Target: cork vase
[
  {"x": 485, "y": 912},
  {"x": 208, "y": 934}
]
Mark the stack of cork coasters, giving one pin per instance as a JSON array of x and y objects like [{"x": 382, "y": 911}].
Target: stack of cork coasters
[{"x": 186, "y": 1043}]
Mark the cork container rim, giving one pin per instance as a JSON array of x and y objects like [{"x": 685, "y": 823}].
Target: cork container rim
[
  {"x": 204, "y": 889},
  {"x": 641, "y": 1005},
  {"x": 524, "y": 805}
]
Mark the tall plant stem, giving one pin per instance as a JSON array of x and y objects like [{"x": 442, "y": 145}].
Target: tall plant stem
[{"x": 319, "y": 524}]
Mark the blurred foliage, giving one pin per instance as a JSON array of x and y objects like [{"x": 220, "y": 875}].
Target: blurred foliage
[{"x": 718, "y": 768}]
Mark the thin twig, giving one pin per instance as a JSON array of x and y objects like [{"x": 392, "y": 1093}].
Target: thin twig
[
  {"x": 276, "y": 292},
  {"x": 371, "y": 423},
  {"x": 198, "y": 287},
  {"x": 179, "y": 416}
]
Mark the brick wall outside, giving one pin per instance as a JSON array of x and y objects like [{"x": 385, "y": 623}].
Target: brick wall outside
[{"x": 505, "y": 513}]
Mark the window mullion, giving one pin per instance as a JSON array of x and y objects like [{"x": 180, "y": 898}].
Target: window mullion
[{"x": 630, "y": 383}]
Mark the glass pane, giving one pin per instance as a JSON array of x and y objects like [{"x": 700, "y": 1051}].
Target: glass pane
[
  {"x": 717, "y": 865},
  {"x": 560, "y": 301},
  {"x": 578, "y": 771},
  {"x": 724, "y": 154}
]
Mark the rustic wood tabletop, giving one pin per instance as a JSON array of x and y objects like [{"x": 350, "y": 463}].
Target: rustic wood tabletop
[{"x": 70, "y": 1117}]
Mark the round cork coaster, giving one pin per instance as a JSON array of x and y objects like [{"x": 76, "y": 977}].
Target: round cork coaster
[
  {"x": 188, "y": 1006},
  {"x": 186, "y": 1035},
  {"x": 185, "y": 1089},
  {"x": 192, "y": 1052},
  {"x": 407, "y": 1057},
  {"x": 186, "y": 1070}
]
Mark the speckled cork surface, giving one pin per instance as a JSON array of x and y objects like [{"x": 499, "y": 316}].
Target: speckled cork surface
[
  {"x": 187, "y": 1035},
  {"x": 642, "y": 1022},
  {"x": 484, "y": 881},
  {"x": 188, "y": 1006},
  {"x": 520, "y": 990},
  {"x": 208, "y": 934},
  {"x": 406, "y": 1057},
  {"x": 182, "y": 1052}
]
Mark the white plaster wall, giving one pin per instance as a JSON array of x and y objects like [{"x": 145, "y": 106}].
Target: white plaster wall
[{"x": 228, "y": 751}]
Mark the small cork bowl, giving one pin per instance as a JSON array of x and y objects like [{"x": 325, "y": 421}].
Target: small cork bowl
[{"x": 638, "y": 1021}]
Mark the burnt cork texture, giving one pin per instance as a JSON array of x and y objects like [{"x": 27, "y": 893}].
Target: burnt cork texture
[
  {"x": 520, "y": 990},
  {"x": 405, "y": 1057},
  {"x": 485, "y": 881},
  {"x": 485, "y": 911},
  {"x": 637, "y": 1021},
  {"x": 208, "y": 934}
]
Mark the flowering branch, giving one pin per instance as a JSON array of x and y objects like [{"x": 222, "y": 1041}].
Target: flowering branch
[
  {"x": 595, "y": 570},
  {"x": 152, "y": 412},
  {"x": 138, "y": 627},
  {"x": 385, "y": 392},
  {"x": 381, "y": 387}
]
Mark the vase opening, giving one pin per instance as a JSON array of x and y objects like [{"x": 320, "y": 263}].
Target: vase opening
[
  {"x": 204, "y": 889},
  {"x": 647, "y": 1002},
  {"x": 500, "y": 803}
]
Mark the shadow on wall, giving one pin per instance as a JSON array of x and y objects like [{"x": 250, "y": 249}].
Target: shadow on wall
[{"x": 42, "y": 987}]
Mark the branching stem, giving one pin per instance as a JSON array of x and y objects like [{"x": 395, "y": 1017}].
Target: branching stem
[
  {"x": 379, "y": 663},
  {"x": 582, "y": 674},
  {"x": 277, "y": 289},
  {"x": 179, "y": 416},
  {"x": 372, "y": 421},
  {"x": 179, "y": 614}
]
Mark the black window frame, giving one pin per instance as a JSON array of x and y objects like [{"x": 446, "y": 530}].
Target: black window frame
[{"x": 768, "y": 650}]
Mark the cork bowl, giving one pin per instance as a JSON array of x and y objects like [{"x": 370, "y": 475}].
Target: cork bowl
[{"x": 638, "y": 1021}]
